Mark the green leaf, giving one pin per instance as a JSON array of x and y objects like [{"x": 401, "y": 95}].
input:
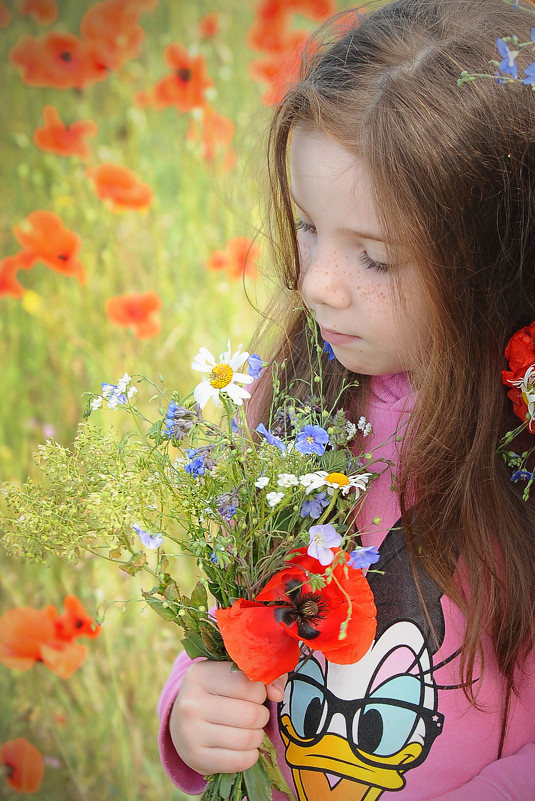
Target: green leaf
[
  {"x": 135, "y": 564},
  {"x": 161, "y": 607},
  {"x": 257, "y": 783},
  {"x": 199, "y": 596}
]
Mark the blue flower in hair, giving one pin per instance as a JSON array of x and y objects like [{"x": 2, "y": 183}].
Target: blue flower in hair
[
  {"x": 507, "y": 64},
  {"x": 530, "y": 73}
]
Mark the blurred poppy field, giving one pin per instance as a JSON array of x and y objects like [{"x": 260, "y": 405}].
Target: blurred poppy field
[{"x": 130, "y": 235}]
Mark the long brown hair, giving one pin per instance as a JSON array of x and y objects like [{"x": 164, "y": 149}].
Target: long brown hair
[{"x": 454, "y": 176}]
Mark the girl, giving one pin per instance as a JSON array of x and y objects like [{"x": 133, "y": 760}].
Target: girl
[{"x": 414, "y": 246}]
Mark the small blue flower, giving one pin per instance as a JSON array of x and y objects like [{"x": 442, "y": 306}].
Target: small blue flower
[
  {"x": 532, "y": 35},
  {"x": 178, "y": 421},
  {"x": 314, "y": 507},
  {"x": 255, "y": 365},
  {"x": 152, "y": 541},
  {"x": 364, "y": 557},
  {"x": 196, "y": 467},
  {"x": 327, "y": 347},
  {"x": 530, "y": 73},
  {"x": 213, "y": 558},
  {"x": 507, "y": 64},
  {"x": 311, "y": 439},
  {"x": 234, "y": 427},
  {"x": 523, "y": 475},
  {"x": 271, "y": 438},
  {"x": 112, "y": 391}
]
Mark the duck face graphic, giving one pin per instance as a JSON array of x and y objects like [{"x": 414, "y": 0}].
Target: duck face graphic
[{"x": 351, "y": 732}]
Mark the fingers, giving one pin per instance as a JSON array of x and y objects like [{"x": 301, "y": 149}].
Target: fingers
[{"x": 275, "y": 690}]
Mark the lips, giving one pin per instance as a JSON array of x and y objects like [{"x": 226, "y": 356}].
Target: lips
[{"x": 334, "y": 338}]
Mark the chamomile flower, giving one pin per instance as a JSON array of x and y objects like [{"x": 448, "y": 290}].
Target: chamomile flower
[
  {"x": 526, "y": 385},
  {"x": 274, "y": 498},
  {"x": 221, "y": 376},
  {"x": 335, "y": 481}
]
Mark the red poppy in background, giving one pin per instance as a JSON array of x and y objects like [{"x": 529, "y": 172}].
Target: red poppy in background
[
  {"x": 238, "y": 259},
  {"x": 56, "y": 137},
  {"x": 58, "y": 60},
  {"x": 25, "y": 765},
  {"x": 278, "y": 71},
  {"x": 75, "y": 621},
  {"x": 5, "y": 15},
  {"x": 288, "y": 612},
  {"x": 45, "y": 237},
  {"x": 137, "y": 311},
  {"x": 31, "y": 635},
  {"x": 184, "y": 87},
  {"x": 9, "y": 268},
  {"x": 209, "y": 25},
  {"x": 119, "y": 187},
  {"x": 214, "y": 132},
  {"x": 43, "y": 11},
  {"x": 111, "y": 28}
]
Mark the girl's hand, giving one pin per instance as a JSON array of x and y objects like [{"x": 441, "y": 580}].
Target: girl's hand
[{"x": 218, "y": 718}]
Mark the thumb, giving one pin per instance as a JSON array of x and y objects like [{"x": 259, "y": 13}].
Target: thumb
[{"x": 275, "y": 690}]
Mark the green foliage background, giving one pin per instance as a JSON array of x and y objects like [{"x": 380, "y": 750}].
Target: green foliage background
[{"x": 97, "y": 730}]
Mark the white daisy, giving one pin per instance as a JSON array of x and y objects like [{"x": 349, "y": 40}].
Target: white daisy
[
  {"x": 526, "y": 385},
  {"x": 221, "y": 376},
  {"x": 287, "y": 480},
  {"x": 334, "y": 481}
]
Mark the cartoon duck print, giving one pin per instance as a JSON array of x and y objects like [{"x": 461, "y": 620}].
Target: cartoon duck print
[{"x": 351, "y": 732}]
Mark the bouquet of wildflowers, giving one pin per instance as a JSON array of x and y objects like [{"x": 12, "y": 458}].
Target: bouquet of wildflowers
[{"x": 266, "y": 515}]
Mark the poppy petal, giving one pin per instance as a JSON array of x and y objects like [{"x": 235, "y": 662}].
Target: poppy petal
[
  {"x": 25, "y": 763},
  {"x": 249, "y": 629}
]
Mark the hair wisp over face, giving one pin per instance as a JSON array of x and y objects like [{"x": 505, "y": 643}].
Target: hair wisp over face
[{"x": 453, "y": 171}]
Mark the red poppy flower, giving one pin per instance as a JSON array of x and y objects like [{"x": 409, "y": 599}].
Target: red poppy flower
[
  {"x": 55, "y": 137},
  {"x": 75, "y": 622},
  {"x": 520, "y": 352},
  {"x": 112, "y": 30},
  {"x": 43, "y": 11},
  {"x": 9, "y": 268},
  {"x": 262, "y": 636},
  {"x": 25, "y": 765},
  {"x": 238, "y": 259},
  {"x": 278, "y": 71},
  {"x": 31, "y": 635},
  {"x": 185, "y": 87},
  {"x": 119, "y": 187},
  {"x": 138, "y": 311},
  {"x": 5, "y": 15},
  {"x": 214, "y": 131},
  {"x": 58, "y": 60},
  {"x": 209, "y": 25},
  {"x": 46, "y": 238}
]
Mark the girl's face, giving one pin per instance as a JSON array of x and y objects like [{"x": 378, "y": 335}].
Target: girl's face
[{"x": 371, "y": 318}]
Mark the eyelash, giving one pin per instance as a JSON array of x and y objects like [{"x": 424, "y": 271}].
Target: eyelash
[{"x": 366, "y": 260}]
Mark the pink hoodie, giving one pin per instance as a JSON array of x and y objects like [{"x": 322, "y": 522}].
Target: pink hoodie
[{"x": 396, "y": 725}]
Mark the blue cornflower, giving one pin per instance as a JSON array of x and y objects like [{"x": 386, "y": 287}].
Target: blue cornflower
[
  {"x": 364, "y": 557},
  {"x": 271, "y": 438},
  {"x": 530, "y": 73},
  {"x": 314, "y": 506},
  {"x": 523, "y": 475},
  {"x": 327, "y": 347},
  {"x": 507, "y": 64},
  {"x": 311, "y": 439},
  {"x": 255, "y": 364},
  {"x": 152, "y": 541}
]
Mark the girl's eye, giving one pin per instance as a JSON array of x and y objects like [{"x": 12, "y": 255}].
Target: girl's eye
[
  {"x": 301, "y": 225},
  {"x": 371, "y": 264}
]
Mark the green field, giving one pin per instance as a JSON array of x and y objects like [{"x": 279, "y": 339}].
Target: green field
[{"x": 97, "y": 730}]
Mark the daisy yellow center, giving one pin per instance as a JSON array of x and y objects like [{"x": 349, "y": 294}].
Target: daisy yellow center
[
  {"x": 221, "y": 375},
  {"x": 337, "y": 478}
]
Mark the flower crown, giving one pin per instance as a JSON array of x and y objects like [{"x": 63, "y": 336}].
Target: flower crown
[{"x": 520, "y": 379}]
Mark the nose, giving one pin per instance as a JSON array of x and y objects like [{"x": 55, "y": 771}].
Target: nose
[{"x": 324, "y": 279}]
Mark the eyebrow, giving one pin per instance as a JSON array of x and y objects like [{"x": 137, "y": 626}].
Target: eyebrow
[{"x": 361, "y": 234}]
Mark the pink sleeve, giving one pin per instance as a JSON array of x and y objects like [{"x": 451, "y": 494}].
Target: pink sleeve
[
  {"x": 511, "y": 778},
  {"x": 180, "y": 774}
]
